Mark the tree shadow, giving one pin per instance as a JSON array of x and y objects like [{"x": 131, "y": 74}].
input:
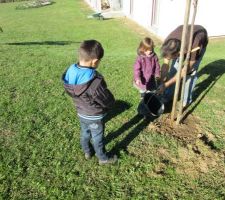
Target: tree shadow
[
  {"x": 60, "y": 43},
  {"x": 215, "y": 70},
  {"x": 122, "y": 145},
  {"x": 119, "y": 107}
]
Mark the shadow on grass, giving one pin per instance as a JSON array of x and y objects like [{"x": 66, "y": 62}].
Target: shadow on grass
[
  {"x": 122, "y": 145},
  {"x": 119, "y": 107},
  {"x": 215, "y": 70},
  {"x": 60, "y": 43}
]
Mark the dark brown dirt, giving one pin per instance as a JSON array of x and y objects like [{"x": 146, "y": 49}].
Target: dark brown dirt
[
  {"x": 197, "y": 155},
  {"x": 188, "y": 131}
]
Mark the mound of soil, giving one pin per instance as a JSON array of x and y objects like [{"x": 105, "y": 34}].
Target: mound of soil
[
  {"x": 198, "y": 154},
  {"x": 188, "y": 131}
]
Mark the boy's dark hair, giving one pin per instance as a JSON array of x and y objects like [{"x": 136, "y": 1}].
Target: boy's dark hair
[
  {"x": 146, "y": 44},
  {"x": 90, "y": 49},
  {"x": 170, "y": 48}
]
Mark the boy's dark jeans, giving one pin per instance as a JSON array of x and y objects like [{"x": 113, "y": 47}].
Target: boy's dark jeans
[{"x": 93, "y": 130}]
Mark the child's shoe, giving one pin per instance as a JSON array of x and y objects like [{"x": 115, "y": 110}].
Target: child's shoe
[
  {"x": 87, "y": 156},
  {"x": 111, "y": 160}
]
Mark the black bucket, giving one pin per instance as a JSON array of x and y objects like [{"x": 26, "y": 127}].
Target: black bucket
[{"x": 151, "y": 104}]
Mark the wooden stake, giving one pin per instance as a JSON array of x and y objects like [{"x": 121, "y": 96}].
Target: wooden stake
[
  {"x": 181, "y": 58},
  {"x": 180, "y": 113}
]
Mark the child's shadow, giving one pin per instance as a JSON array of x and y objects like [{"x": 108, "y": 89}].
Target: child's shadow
[
  {"x": 119, "y": 107},
  {"x": 215, "y": 70},
  {"x": 122, "y": 145}
]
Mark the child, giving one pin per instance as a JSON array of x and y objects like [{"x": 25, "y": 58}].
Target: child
[
  {"x": 92, "y": 99},
  {"x": 146, "y": 67}
]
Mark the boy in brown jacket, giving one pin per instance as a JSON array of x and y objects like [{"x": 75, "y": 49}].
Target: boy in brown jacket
[{"x": 92, "y": 99}]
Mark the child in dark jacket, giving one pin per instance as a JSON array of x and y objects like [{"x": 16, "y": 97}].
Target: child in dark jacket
[
  {"x": 92, "y": 99},
  {"x": 146, "y": 67}
]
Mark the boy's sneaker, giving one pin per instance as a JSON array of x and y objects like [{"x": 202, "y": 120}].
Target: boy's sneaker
[
  {"x": 111, "y": 160},
  {"x": 87, "y": 156}
]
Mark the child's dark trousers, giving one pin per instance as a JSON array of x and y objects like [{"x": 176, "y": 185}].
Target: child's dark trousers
[{"x": 93, "y": 130}]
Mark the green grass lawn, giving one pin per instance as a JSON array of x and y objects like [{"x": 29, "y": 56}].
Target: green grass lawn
[{"x": 40, "y": 155}]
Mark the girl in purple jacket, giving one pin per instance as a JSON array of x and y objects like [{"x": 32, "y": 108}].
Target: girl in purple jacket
[{"x": 146, "y": 67}]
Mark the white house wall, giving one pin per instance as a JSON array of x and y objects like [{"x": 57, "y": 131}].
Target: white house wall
[
  {"x": 210, "y": 14},
  {"x": 94, "y": 4},
  {"x": 170, "y": 14},
  {"x": 141, "y": 13},
  {"x": 126, "y": 7}
]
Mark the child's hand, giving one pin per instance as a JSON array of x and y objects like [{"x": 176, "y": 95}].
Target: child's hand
[
  {"x": 161, "y": 89},
  {"x": 157, "y": 78},
  {"x": 138, "y": 82}
]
